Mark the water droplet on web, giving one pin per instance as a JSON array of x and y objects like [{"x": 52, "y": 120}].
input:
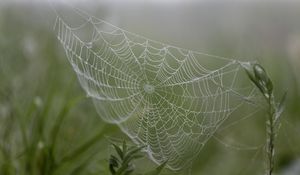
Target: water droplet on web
[{"x": 89, "y": 45}]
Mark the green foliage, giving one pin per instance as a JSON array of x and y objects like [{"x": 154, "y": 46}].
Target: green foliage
[
  {"x": 38, "y": 152},
  {"x": 122, "y": 163}
]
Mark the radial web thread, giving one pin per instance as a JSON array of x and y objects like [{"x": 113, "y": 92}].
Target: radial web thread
[{"x": 168, "y": 98}]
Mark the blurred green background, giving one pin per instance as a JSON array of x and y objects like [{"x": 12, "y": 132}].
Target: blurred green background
[{"x": 49, "y": 126}]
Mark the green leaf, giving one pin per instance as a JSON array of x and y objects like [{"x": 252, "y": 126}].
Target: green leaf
[
  {"x": 119, "y": 151},
  {"x": 132, "y": 152},
  {"x": 113, "y": 163}
]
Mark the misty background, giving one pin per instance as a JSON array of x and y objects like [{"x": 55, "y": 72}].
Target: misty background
[{"x": 34, "y": 69}]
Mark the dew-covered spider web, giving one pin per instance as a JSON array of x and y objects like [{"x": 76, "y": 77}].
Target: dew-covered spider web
[{"x": 168, "y": 98}]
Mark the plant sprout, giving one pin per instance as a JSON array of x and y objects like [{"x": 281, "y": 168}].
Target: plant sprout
[
  {"x": 260, "y": 78},
  {"x": 122, "y": 164}
]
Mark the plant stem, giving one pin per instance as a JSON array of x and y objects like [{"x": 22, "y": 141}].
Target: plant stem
[
  {"x": 271, "y": 134},
  {"x": 260, "y": 78}
]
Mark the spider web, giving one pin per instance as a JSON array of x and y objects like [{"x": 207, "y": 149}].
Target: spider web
[{"x": 168, "y": 98}]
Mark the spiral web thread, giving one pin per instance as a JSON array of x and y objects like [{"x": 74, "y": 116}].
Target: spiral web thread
[{"x": 168, "y": 98}]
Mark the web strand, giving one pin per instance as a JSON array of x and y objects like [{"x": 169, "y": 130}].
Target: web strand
[{"x": 168, "y": 98}]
